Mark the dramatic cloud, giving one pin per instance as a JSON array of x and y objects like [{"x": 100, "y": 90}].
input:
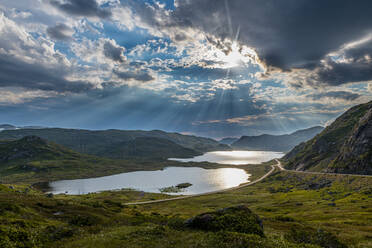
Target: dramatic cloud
[
  {"x": 210, "y": 67},
  {"x": 60, "y": 32},
  {"x": 297, "y": 34},
  {"x": 17, "y": 73},
  {"x": 89, "y": 8},
  {"x": 113, "y": 51},
  {"x": 33, "y": 63}
]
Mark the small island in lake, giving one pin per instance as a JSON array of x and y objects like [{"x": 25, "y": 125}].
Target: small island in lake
[{"x": 175, "y": 189}]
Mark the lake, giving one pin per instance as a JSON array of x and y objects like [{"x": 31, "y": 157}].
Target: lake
[
  {"x": 202, "y": 180},
  {"x": 234, "y": 157}
]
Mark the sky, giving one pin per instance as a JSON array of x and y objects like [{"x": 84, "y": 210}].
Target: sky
[{"x": 214, "y": 68}]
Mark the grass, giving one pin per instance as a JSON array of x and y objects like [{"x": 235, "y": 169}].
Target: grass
[{"x": 292, "y": 207}]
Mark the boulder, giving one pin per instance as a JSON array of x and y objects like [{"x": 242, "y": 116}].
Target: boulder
[{"x": 233, "y": 219}]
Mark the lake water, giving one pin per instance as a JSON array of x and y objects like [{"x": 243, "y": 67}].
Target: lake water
[
  {"x": 202, "y": 180},
  {"x": 234, "y": 157}
]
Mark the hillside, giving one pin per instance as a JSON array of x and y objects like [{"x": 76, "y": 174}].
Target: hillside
[
  {"x": 100, "y": 142},
  {"x": 343, "y": 147},
  {"x": 32, "y": 156},
  {"x": 7, "y": 127},
  {"x": 279, "y": 143},
  {"x": 150, "y": 147},
  {"x": 32, "y": 148},
  {"x": 228, "y": 141},
  {"x": 32, "y": 159}
]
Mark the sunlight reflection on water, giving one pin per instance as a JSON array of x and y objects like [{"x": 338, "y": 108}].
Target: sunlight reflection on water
[
  {"x": 202, "y": 180},
  {"x": 234, "y": 157}
]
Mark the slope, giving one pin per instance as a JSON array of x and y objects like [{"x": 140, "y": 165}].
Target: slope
[
  {"x": 99, "y": 142},
  {"x": 280, "y": 143},
  {"x": 343, "y": 147}
]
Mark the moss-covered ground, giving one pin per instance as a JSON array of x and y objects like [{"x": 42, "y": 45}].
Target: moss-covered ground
[{"x": 297, "y": 210}]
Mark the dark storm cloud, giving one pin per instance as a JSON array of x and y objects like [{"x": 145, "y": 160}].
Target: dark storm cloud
[
  {"x": 294, "y": 33},
  {"x": 142, "y": 76},
  {"x": 286, "y": 34},
  {"x": 113, "y": 51},
  {"x": 89, "y": 8},
  {"x": 60, "y": 32},
  {"x": 343, "y": 95},
  {"x": 17, "y": 73},
  {"x": 355, "y": 66}
]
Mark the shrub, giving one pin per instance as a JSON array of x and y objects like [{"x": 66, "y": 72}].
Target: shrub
[
  {"x": 307, "y": 235},
  {"x": 234, "y": 219}
]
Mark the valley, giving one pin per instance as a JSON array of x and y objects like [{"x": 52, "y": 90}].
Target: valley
[{"x": 290, "y": 206}]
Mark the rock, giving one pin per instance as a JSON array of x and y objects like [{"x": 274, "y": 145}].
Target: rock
[{"x": 234, "y": 219}]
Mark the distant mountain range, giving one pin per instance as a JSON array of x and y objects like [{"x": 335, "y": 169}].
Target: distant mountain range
[
  {"x": 343, "y": 147},
  {"x": 121, "y": 144},
  {"x": 11, "y": 127},
  {"x": 279, "y": 143},
  {"x": 228, "y": 140},
  {"x": 7, "y": 127}
]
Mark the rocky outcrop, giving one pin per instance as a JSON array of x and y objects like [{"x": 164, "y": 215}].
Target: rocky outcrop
[
  {"x": 356, "y": 153},
  {"x": 345, "y": 146},
  {"x": 233, "y": 219}
]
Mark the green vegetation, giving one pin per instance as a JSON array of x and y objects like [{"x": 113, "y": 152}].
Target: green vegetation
[
  {"x": 148, "y": 147},
  {"x": 122, "y": 144},
  {"x": 285, "y": 210},
  {"x": 175, "y": 189},
  {"x": 343, "y": 147},
  {"x": 233, "y": 219},
  {"x": 296, "y": 210}
]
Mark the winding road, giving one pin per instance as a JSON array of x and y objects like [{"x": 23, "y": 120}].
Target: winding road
[{"x": 277, "y": 165}]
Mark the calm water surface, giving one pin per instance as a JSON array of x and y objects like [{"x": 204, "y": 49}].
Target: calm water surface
[
  {"x": 202, "y": 180},
  {"x": 234, "y": 157}
]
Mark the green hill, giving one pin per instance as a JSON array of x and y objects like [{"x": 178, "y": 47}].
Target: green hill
[
  {"x": 32, "y": 148},
  {"x": 343, "y": 147},
  {"x": 280, "y": 143},
  {"x": 32, "y": 159},
  {"x": 101, "y": 142},
  {"x": 149, "y": 147},
  {"x": 228, "y": 140}
]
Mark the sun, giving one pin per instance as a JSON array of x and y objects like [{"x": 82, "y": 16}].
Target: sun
[
  {"x": 233, "y": 59},
  {"x": 236, "y": 57}
]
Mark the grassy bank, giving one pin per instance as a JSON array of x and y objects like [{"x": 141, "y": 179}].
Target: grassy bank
[{"x": 292, "y": 207}]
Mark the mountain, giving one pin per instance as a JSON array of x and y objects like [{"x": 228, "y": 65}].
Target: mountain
[
  {"x": 32, "y": 148},
  {"x": 105, "y": 142},
  {"x": 149, "y": 147},
  {"x": 343, "y": 147},
  {"x": 7, "y": 127},
  {"x": 228, "y": 141},
  {"x": 280, "y": 143},
  {"x": 32, "y": 159}
]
